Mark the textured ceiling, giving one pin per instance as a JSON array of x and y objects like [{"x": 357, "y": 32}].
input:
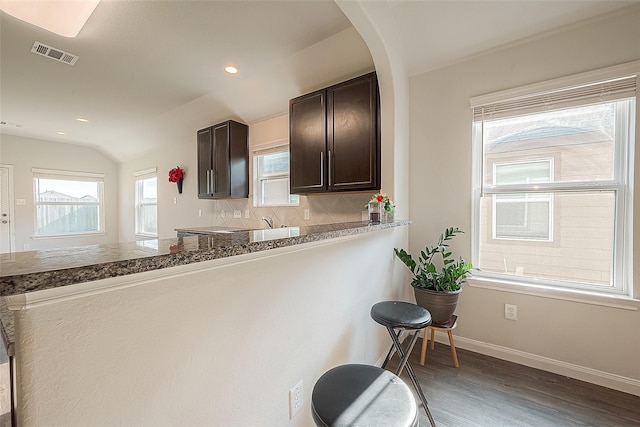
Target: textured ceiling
[{"x": 150, "y": 68}]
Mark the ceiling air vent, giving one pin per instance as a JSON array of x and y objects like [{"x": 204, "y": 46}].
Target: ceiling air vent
[{"x": 53, "y": 53}]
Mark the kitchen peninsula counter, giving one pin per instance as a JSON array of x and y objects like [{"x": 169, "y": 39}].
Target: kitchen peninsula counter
[
  {"x": 91, "y": 329},
  {"x": 25, "y": 272}
]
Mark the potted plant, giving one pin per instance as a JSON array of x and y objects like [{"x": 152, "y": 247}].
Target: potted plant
[{"x": 435, "y": 289}]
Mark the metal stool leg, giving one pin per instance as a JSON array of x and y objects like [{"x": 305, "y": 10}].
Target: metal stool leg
[
  {"x": 404, "y": 357},
  {"x": 391, "y": 350}
]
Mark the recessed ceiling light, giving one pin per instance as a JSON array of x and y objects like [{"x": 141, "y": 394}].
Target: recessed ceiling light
[
  {"x": 231, "y": 69},
  {"x": 61, "y": 133},
  {"x": 82, "y": 119}
]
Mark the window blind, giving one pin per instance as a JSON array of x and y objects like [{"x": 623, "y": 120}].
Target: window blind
[
  {"x": 146, "y": 173},
  {"x": 67, "y": 175},
  {"x": 584, "y": 94}
]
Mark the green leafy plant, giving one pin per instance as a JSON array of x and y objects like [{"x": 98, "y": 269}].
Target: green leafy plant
[{"x": 425, "y": 273}]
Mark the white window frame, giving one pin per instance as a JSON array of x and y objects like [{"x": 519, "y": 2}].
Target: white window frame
[
  {"x": 280, "y": 146},
  {"x": 494, "y": 225},
  {"x": 622, "y": 185},
  {"x": 98, "y": 178},
  {"x": 140, "y": 176}
]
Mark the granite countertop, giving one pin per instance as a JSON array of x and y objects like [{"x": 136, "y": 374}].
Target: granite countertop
[{"x": 24, "y": 272}]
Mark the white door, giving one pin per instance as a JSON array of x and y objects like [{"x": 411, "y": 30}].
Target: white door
[{"x": 5, "y": 211}]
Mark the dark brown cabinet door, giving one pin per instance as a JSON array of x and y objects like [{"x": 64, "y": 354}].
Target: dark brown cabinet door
[
  {"x": 223, "y": 161},
  {"x": 205, "y": 165},
  {"x": 238, "y": 163},
  {"x": 308, "y": 143},
  {"x": 221, "y": 176},
  {"x": 352, "y": 135},
  {"x": 334, "y": 138}
]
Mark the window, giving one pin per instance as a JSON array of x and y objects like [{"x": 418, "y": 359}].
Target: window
[
  {"x": 68, "y": 203},
  {"x": 271, "y": 178},
  {"x": 552, "y": 178},
  {"x": 147, "y": 203},
  {"x": 522, "y": 215}
]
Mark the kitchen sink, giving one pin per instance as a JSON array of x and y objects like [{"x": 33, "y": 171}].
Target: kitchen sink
[{"x": 275, "y": 233}]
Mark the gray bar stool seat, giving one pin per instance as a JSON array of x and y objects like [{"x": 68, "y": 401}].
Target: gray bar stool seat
[
  {"x": 362, "y": 395},
  {"x": 398, "y": 316}
]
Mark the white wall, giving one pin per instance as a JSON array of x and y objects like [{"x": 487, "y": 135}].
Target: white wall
[
  {"x": 25, "y": 154},
  {"x": 599, "y": 343},
  {"x": 208, "y": 348}
]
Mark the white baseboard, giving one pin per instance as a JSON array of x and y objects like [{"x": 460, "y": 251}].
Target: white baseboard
[{"x": 605, "y": 379}]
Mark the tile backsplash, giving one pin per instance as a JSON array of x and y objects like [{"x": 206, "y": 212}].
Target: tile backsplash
[{"x": 323, "y": 209}]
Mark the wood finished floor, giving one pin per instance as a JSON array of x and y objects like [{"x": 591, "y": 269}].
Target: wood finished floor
[{"x": 489, "y": 392}]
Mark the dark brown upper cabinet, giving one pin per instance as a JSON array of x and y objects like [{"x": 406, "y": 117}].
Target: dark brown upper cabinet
[
  {"x": 223, "y": 161},
  {"x": 334, "y": 138}
]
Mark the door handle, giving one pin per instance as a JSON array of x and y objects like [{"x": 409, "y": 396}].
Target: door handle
[
  {"x": 329, "y": 161},
  {"x": 208, "y": 181},
  {"x": 321, "y": 169}
]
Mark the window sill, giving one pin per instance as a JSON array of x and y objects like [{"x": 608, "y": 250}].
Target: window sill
[
  {"x": 70, "y": 235},
  {"x": 146, "y": 235},
  {"x": 614, "y": 301}
]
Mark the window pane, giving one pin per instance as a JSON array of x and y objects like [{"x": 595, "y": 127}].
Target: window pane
[
  {"x": 57, "y": 190},
  {"x": 149, "y": 190},
  {"x": 271, "y": 180},
  {"x": 60, "y": 219},
  {"x": 581, "y": 249},
  {"x": 582, "y": 139},
  {"x": 67, "y": 205},
  {"x": 523, "y": 172},
  {"x": 523, "y": 218},
  {"x": 275, "y": 163},
  {"x": 147, "y": 206},
  {"x": 275, "y": 191},
  {"x": 148, "y": 219}
]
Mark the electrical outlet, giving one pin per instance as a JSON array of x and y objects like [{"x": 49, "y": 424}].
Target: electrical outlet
[
  {"x": 26, "y": 247},
  {"x": 222, "y": 214},
  {"x": 306, "y": 214},
  {"x": 175, "y": 200},
  {"x": 511, "y": 312},
  {"x": 199, "y": 213},
  {"x": 237, "y": 213},
  {"x": 246, "y": 213},
  {"x": 296, "y": 397}
]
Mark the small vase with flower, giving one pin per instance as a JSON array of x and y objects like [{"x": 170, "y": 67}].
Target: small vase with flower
[{"x": 381, "y": 208}]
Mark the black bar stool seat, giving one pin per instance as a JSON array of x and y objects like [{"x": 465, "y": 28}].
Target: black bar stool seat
[
  {"x": 398, "y": 316},
  {"x": 362, "y": 395}
]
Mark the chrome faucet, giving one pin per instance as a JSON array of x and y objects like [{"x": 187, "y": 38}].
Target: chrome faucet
[{"x": 268, "y": 220}]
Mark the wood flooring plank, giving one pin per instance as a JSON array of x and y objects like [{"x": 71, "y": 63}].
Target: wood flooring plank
[{"x": 489, "y": 392}]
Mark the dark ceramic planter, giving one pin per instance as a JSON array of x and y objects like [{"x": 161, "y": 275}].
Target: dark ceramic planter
[{"x": 441, "y": 305}]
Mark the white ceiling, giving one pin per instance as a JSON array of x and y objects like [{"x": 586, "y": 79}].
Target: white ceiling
[{"x": 148, "y": 68}]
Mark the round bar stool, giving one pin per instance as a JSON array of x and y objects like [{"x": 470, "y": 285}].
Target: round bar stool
[
  {"x": 398, "y": 316},
  {"x": 362, "y": 395}
]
